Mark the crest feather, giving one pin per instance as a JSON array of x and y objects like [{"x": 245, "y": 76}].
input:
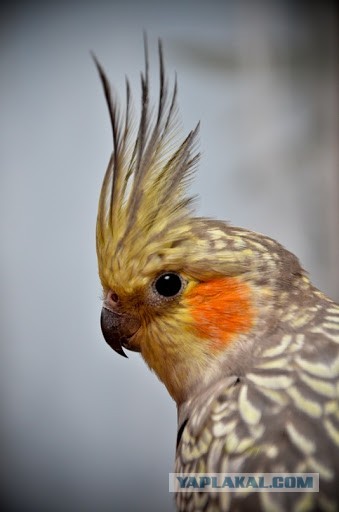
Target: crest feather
[{"x": 143, "y": 193}]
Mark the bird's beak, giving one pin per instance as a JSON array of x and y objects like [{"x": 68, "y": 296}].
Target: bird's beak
[{"x": 117, "y": 329}]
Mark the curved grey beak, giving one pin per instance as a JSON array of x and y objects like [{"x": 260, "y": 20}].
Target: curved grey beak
[{"x": 117, "y": 329}]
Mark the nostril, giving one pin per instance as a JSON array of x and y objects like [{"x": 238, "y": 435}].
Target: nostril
[{"x": 113, "y": 297}]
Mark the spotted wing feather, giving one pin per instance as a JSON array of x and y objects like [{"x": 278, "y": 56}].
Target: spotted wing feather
[{"x": 281, "y": 415}]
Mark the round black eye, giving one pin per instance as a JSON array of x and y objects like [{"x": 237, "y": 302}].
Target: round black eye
[{"x": 169, "y": 284}]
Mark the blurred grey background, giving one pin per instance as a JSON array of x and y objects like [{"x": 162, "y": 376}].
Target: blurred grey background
[{"x": 83, "y": 429}]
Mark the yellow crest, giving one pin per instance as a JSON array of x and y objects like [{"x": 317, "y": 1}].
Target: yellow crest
[{"x": 143, "y": 212}]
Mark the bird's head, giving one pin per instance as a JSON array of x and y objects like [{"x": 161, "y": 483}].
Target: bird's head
[{"x": 184, "y": 291}]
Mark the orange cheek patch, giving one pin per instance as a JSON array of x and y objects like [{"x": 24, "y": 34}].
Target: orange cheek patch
[{"x": 220, "y": 309}]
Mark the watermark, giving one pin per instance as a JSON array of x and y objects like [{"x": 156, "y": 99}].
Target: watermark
[{"x": 246, "y": 482}]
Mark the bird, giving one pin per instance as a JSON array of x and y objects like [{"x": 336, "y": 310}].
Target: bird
[{"x": 227, "y": 318}]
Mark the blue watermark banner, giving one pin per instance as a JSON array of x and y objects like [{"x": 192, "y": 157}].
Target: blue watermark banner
[{"x": 246, "y": 482}]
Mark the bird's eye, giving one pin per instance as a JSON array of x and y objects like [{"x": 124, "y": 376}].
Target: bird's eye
[{"x": 169, "y": 284}]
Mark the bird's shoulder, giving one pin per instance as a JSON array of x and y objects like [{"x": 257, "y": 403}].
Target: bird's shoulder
[{"x": 280, "y": 415}]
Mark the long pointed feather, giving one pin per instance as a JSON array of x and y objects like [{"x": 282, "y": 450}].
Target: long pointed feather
[{"x": 143, "y": 192}]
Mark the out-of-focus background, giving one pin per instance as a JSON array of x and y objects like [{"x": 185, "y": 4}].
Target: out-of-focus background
[{"x": 83, "y": 429}]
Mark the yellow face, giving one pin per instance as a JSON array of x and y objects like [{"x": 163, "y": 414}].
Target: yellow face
[{"x": 177, "y": 322}]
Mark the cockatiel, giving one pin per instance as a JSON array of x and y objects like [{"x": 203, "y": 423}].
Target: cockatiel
[{"x": 226, "y": 318}]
